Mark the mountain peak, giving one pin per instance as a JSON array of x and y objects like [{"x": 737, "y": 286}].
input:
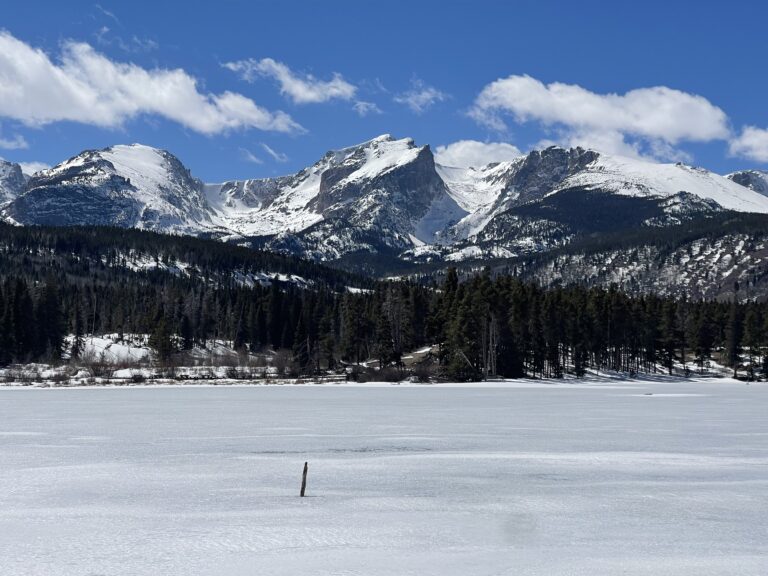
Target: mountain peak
[
  {"x": 128, "y": 185},
  {"x": 385, "y": 194},
  {"x": 384, "y": 141}
]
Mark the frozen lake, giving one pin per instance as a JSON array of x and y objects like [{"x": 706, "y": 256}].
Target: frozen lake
[{"x": 551, "y": 480}]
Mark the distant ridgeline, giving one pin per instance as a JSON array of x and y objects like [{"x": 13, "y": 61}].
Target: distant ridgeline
[
  {"x": 389, "y": 207},
  {"x": 186, "y": 291}
]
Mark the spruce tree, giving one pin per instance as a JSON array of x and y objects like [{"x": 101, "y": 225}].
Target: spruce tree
[
  {"x": 78, "y": 344},
  {"x": 161, "y": 342},
  {"x": 752, "y": 337},
  {"x": 186, "y": 333},
  {"x": 733, "y": 336}
]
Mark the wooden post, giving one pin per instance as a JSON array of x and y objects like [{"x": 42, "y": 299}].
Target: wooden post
[{"x": 304, "y": 480}]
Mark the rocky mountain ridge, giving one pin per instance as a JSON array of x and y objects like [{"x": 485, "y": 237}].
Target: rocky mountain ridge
[{"x": 385, "y": 199}]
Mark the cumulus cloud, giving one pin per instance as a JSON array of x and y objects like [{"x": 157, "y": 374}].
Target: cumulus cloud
[
  {"x": 420, "y": 97},
  {"x": 607, "y": 141},
  {"x": 660, "y": 150},
  {"x": 617, "y": 143},
  {"x": 300, "y": 88},
  {"x": 16, "y": 142},
  {"x": 87, "y": 87},
  {"x": 466, "y": 153},
  {"x": 649, "y": 119},
  {"x": 752, "y": 143}
]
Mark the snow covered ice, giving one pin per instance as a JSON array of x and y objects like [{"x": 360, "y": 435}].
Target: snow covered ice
[{"x": 576, "y": 478}]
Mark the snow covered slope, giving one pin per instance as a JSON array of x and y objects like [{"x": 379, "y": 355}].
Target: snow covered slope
[
  {"x": 129, "y": 186},
  {"x": 490, "y": 191},
  {"x": 497, "y": 188},
  {"x": 385, "y": 188},
  {"x": 386, "y": 196},
  {"x": 634, "y": 177},
  {"x": 476, "y": 190}
]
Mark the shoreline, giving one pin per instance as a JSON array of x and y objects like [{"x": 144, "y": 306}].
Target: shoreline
[{"x": 589, "y": 382}]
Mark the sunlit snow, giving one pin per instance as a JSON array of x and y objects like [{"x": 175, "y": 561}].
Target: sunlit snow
[{"x": 595, "y": 477}]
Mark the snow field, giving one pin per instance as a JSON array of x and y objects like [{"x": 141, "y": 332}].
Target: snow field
[{"x": 595, "y": 477}]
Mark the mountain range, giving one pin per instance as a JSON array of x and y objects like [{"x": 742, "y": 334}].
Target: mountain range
[{"x": 386, "y": 205}]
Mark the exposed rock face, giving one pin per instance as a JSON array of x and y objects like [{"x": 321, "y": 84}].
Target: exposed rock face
[
  {"x": 756, "y": 180},
  {"x": 385, "y": 191},
  {"x": 12, "y": 181},
  {"x": 385, "y": 198},
  {"x": 543, "y": 171}
]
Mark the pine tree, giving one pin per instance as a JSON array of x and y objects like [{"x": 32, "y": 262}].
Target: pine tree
[
  {"x": 50, "y": 321},
  {"x": 302, "y": 351},
  {"x": 669, "y": 334},
  {"x": 78, "y": 345},
  {"x": 328, "y": 339},
  {"x": 384, "y": 344},
  {"x": 186, "y": 333},
  {"x": 733, "y": 335},
  {"x": 352, "y": 329},
  {"x": 24, "y": 339},
  {"x": 6, "y": 330},
  {"x": 161, "y": 342},
  {"x": 753, "y": 337},
  {"x": 704, "y": 337}
]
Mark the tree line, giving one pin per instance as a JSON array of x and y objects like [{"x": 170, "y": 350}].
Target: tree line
[{"x": 480, "y": 328}]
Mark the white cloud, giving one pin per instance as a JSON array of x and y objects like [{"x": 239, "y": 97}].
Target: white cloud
[
  {"x": 752, "y": 143},
  {"x": 420, "y": 97},
  {"x": 466, "y": 153},
  {"x": 660, "y": 150},
  {"x": 300, "y": 88},
  {"x": 142, "y": 44},
  {"x": 611, "y": 142},
  {"x": 607, "y": 141},
  {"x": 104, "y": 37},
  {"x": 276, "y": 156},
  {"x": 17, "y": 142},
  {"x": 87, "y": 87},
  {"x": 101, "y": 35},
  {"x": 249, "y": 156},
  {"x": 656, "y": 115},
  {"x": 30, "y": 168},
  {"x": 106, "y": 13},
  {"x": 365, "y": 108}
]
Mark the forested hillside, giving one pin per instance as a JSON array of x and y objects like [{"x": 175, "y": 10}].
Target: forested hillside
[{"x": 186, "y": 292}]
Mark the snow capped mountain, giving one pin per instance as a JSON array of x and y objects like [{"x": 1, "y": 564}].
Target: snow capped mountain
[
  {"x": 12, "y": 181},
  {"x": 756, "y": 180},
  {"x": 496, "y": 188},
  {"x": 385, "y": 187},
  {"x": 548, "y": 198},
  {"x": 383, "y": 197},
  {"x": 632, "y": 177},
  {"x": 130, "y": 186}
]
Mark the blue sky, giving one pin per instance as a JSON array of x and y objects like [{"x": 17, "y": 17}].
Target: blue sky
[{"x": 250, "y": 89}]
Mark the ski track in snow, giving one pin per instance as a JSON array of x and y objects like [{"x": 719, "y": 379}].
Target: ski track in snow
[{"x": 600, "y": 478}]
